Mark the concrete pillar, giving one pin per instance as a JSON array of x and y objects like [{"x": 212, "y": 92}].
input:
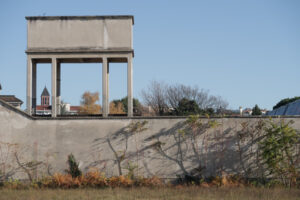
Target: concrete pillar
[
  {"x": 105, "y": 103},
  {"x": 29, "y": 86},
  {"x": 33, "y": 111},
  {"x": 129, "y": 86},
  {"x": 54, "y": 86},
  {"x": 107, "y": 87},
  {"x": 58, "y": 89}
]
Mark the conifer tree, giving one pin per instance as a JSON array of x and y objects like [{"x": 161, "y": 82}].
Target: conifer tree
[{"x": 256, "y": 110}]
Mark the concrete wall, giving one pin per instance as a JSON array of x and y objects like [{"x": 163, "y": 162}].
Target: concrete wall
[
  {"x": 95, "y": 32},
  {"x": 160, "y": 150}
]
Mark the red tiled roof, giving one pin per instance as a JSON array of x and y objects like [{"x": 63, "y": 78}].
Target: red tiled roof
[
  {"x": 74, "y": 108},
  {"x": 10, "y": 99},
  {"x": 45, "y": 107}
]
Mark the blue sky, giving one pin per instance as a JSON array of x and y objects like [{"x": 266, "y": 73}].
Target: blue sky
[{"x": 247, "y": 51}]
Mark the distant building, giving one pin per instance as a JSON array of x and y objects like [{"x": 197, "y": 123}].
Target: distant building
[
  {"x": 67, "y": 109},
  {"x": 241, "y": 110},
  {"x": 45, "y": 97},
  {"x": 247, "y": 111},
  {"x": 46, "y": 109},
  {"x": 12, "y": 100},
  {"x": 264, "y": 111}
]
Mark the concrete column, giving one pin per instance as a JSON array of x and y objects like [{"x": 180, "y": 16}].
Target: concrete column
[
  {"x": 53, "y": 86},
  {"x": 33, "y": 87},
  {"x": 29, "y": 86},
  {"x": 58, "y": 86},
  {"x": 107, "y": 87},
  {"x": 129, "y": 86},
  {"x": 105, "y": 104}
]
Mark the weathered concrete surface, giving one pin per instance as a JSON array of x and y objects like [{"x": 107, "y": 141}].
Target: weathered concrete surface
[
  {"x": 79, "y": 32},
  {"x": 156, "y": 151}
]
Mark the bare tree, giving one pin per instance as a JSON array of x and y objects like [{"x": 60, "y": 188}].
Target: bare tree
[
  {"x": 155, "y": 97},
  {"x": 216, "y": 102},
  {"x": 175, "y": 93},
  {"x": 162, "y": 97}
]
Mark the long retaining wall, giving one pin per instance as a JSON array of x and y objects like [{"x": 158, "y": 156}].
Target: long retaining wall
[{"x": 162, "y": 149}]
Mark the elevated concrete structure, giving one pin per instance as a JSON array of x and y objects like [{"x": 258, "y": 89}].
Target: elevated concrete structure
[{"x": 78, "y": 39}]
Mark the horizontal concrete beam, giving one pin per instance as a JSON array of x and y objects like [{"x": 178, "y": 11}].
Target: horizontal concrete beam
[{"x": 80, "y": 17}]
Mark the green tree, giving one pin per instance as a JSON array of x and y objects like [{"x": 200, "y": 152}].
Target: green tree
[
  {"x": 285, "y": 101},
  {"x": 73, "y": 167},
  {"x": 256, "y": 110},
  {"x": 137, "y": 106},
  {"x": 209, "y": 111},
  {"x": 187, "y": 107}
]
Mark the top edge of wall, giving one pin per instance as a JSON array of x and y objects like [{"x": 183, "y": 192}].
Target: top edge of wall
[{"x": 101, "y": 17}]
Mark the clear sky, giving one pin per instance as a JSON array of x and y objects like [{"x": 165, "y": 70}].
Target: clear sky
[{"x": 247, "y": 51}]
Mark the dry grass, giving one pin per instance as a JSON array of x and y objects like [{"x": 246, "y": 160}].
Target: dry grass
[{"x": 154, "y": 193}]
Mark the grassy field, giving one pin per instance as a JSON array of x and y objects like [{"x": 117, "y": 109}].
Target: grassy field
[{"x": 154, "y": 193}]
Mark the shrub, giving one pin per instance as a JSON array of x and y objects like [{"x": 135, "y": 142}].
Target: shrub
[
  {"x": 153, "y": 181},
  {"x": 66, "y": 181},
  {"x": 73, "y": 170},
  {"x": 278, "y": 151},
  {"x": 119, "y": 181},
  {"x": 15, "y": 184},
  {"x": 131, "y": 168},
  {"x": 95, "y": 179}
]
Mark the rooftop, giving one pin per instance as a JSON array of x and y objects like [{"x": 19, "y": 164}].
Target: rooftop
[
  {"x": 80, "y": 17},
  {"x": 45, "y": 93},
  {"x": 10, "y": 99}
]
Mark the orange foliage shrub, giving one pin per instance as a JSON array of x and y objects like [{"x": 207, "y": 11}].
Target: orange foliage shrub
[
  {"x": 95, "y": 179},
  {"x": 62, "y": 181},
  {"x": 116, "y": 108},
  {"x": 120, "y": 181},
  {"x": 149, "y": 182},
  {"x": 225, "y": 181},
  {"x": 88, "y": 103}
]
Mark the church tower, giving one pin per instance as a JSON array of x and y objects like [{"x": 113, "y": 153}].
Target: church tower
[{"x": 45, "y": 97}]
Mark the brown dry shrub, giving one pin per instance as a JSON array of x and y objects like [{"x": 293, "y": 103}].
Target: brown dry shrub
[
  {"x": 232, "y": 181},
  {"x": 120, "y": 181},
  {"x": 47, "y": 182},
  {"x": 15, "y": 184},
  {"x": 62, "y": 181},
  {"x": 225, "y": 181},
  {"x": 95, "y": 179},
  {"x": 153, "y": 181}
]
